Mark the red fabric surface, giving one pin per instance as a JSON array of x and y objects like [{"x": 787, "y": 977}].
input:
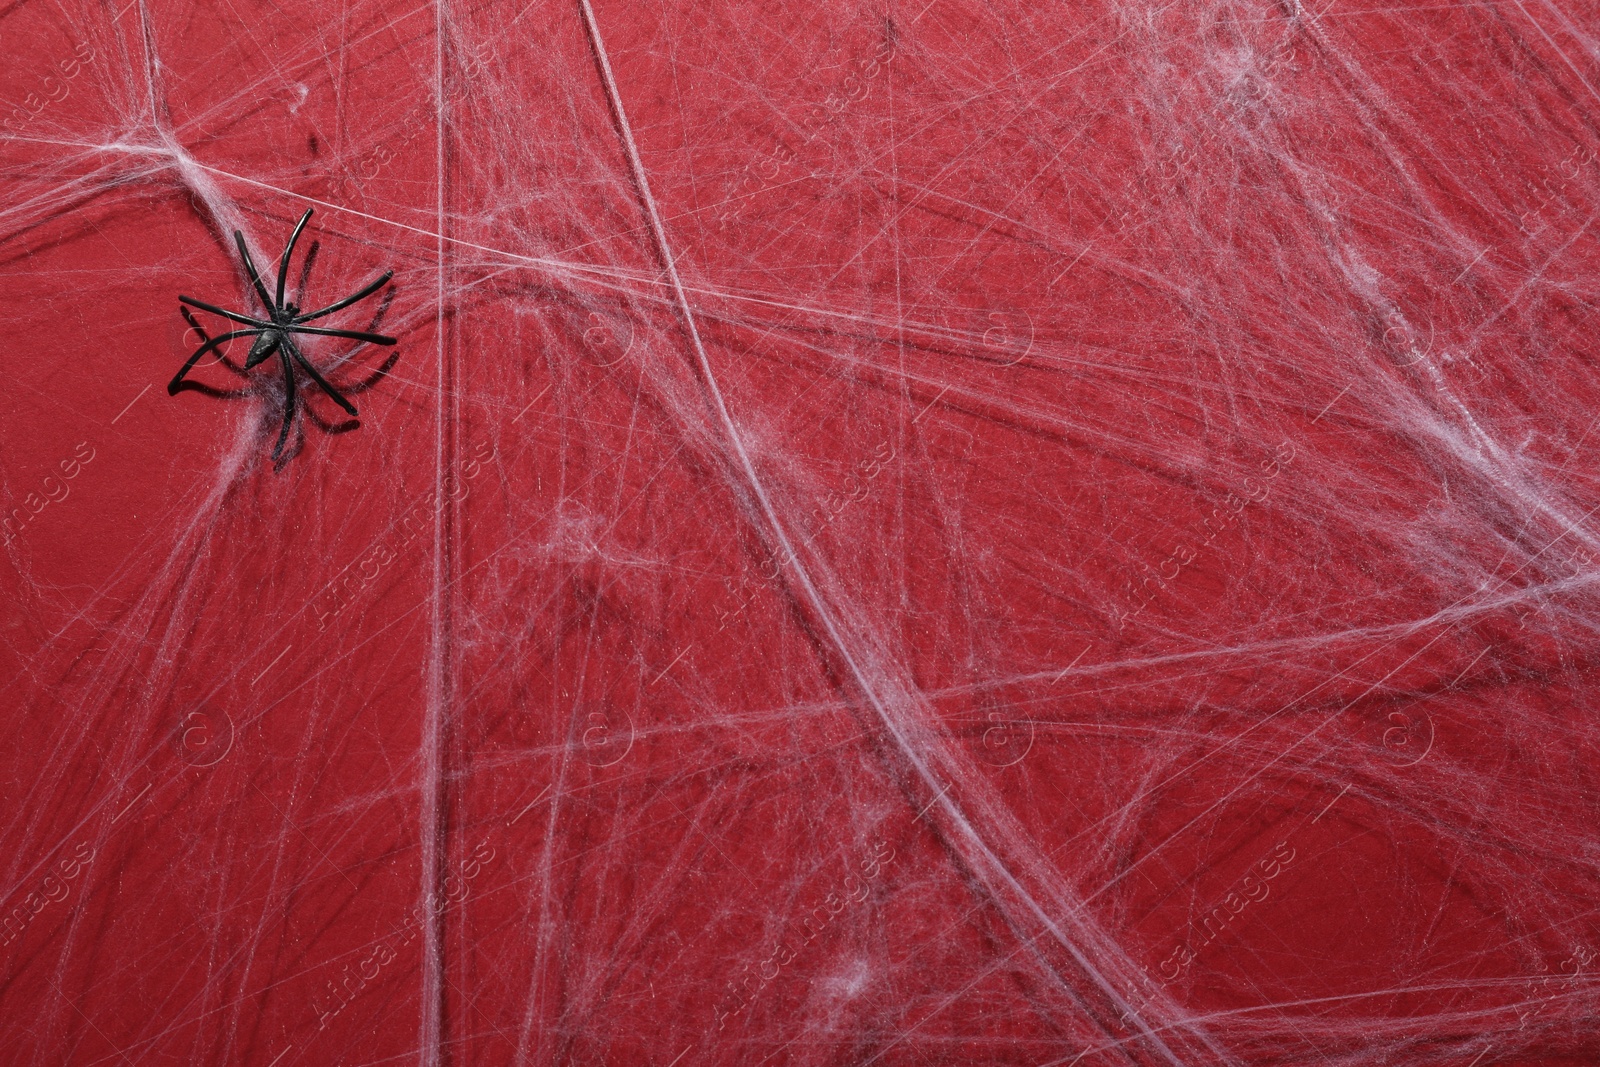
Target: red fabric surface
[{"x": 945, "y": 533}]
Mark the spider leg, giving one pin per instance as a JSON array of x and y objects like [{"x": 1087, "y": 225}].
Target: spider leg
[
  {"x": 235, "y": 316},
  {"x": 250, "y": 267},
  {"x": 347, "y": 301},
  {"x": 288, "y": 250},
  {"x": 389, "y": 361},
  {"x": 354, "y": 335},
  {"x": 299, "y": 357},
  {"x": 344, "y": 425},
  {"x": 288, "y": 404},
  {"x": 172, "y": 386},
  {"x": 194, "y": 324},
  {"x": 305, "y": 269}
]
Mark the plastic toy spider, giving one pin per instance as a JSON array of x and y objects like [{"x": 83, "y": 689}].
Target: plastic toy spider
[{"x": 274, "y": 334}]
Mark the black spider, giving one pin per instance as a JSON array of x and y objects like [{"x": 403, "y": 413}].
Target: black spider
[{"x": 273, "y": 333}]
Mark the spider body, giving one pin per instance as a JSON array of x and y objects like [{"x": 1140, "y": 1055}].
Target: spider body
[
  {"x": 271, "y": 340},
  {"x": 275, "y": 334}
]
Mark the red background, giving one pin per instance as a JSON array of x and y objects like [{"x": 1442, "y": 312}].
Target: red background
[{"x": 1085, "y": 557}]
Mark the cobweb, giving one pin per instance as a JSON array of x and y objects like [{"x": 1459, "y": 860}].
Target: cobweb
[{"x": 947, "y": 533}]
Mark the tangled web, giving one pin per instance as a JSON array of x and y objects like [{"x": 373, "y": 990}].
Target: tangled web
[{"x": 944, "y": 533}]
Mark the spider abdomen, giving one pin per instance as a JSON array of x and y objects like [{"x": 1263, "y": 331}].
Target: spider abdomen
[{"x": 265, "y": 346}]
